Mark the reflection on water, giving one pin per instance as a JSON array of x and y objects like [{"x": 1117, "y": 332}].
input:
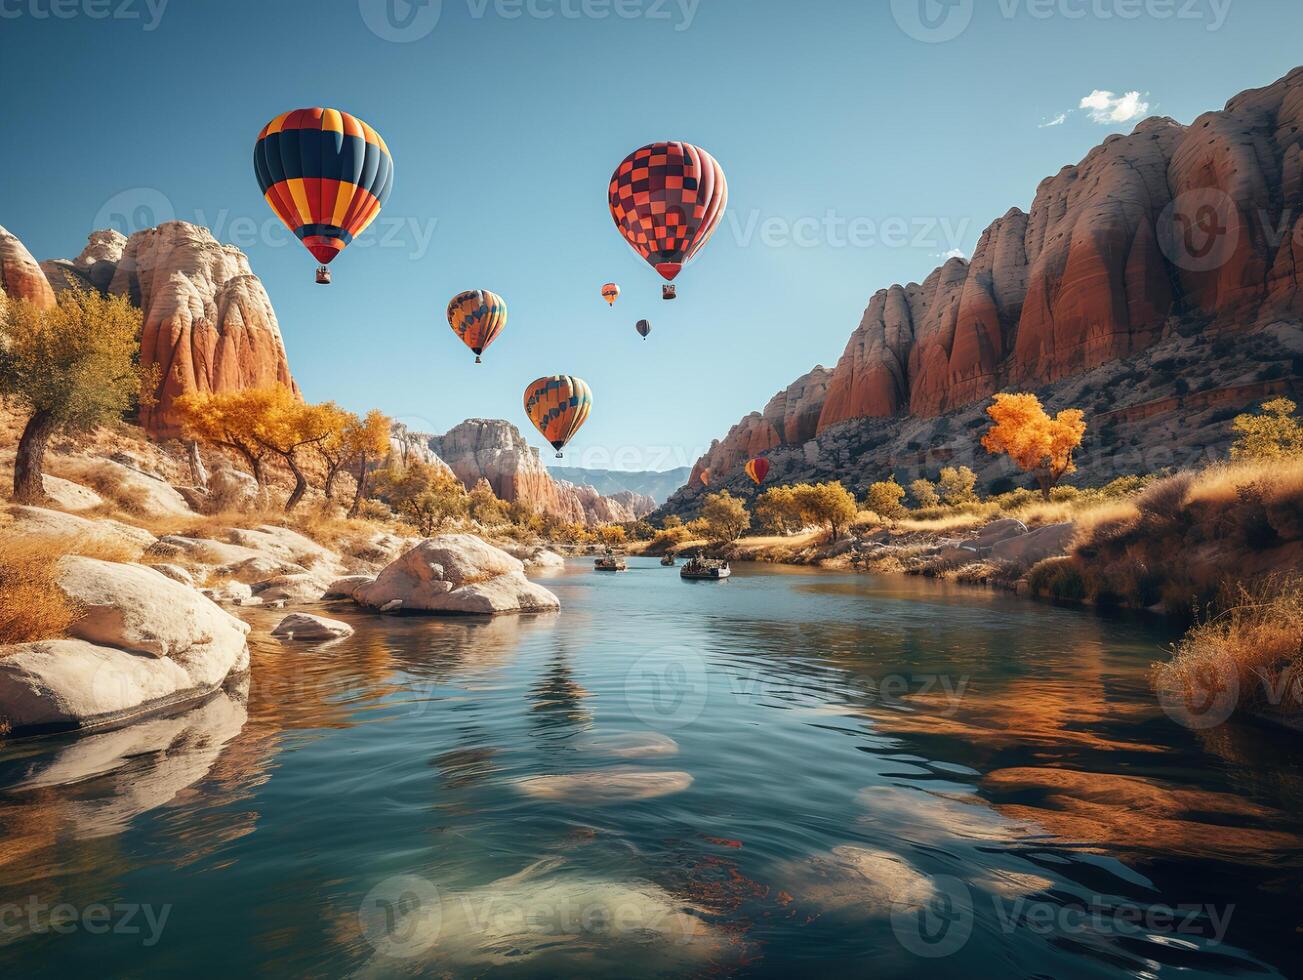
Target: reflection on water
[{"x": 785, "y": 771}]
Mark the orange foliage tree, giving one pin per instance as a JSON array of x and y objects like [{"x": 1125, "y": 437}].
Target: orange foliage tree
[
  {"x": 1037, "y": 443},
  {"x": 228, "y": 419}
]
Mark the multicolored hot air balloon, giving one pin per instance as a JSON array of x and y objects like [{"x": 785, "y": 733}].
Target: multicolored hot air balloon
[
  {"x": 326, "y": 174},
  {"x": 477, "y": 316},
  {"x": 758, "y": 469},
  {"x": 667, "y": 199},
  {"x": 558, "y": 406},
  {"x": 644, "y": 328},
  {"x": 610, "y": 293},
  {"x": 705, "y": 478}
]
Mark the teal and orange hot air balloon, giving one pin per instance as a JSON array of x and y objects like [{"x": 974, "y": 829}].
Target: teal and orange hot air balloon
[
  {"x": 667, "y": 199},
  {"x": 758, "y": 469},
  {"x": 326, "y": 174},
  {"x": 477, "y": 316},
  {"x": 558, "y": 406},
  {"x": 610, "y": 293}
]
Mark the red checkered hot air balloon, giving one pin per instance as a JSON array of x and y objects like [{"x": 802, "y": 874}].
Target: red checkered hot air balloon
[
  {"x": 758, "y": 469},
  {"x": 326, "y": 174},
  {"x": 667, "y": 199}
]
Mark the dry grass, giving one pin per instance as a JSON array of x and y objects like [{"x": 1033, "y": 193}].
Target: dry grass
[
  {"x": 32, "y": 606},
  {"x": 1254, "y": 650}
]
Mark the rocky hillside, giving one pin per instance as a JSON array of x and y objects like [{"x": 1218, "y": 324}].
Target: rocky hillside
[
  {"x": 1135, "y": 264},
  {"x": 647, "y": 485},
  {"x": 208, "y": 322},
  {"x": 494, "y": 450}
]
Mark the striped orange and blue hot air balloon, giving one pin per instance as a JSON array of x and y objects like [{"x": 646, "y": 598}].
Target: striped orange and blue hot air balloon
[
  {"x": 758, "y": 469},
  {"x": 477, "y": 316},
  {"x": 558, "y": 406},
  {"x": 667, "y": 199},
  {"x": 326, "y": 174}
]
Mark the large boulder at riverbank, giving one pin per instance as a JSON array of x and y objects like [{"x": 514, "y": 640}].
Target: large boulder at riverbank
[
  {"x": 303, "y": 626},
  {"x": 456, "y": 573},
  {"x": 1035, "y": 546},
  {"x": 60, "y": 529}
]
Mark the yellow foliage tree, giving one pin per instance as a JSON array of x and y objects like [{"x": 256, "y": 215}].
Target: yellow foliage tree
[
  {"x": 426, "y": 496},
  {"x": 612, "y": 535},
  {"x": 924, "y": 493},
  {"x": 884, "y": 498},
  {"x": 1037, "y": 443},
  {"x": 290, "y": 426},
  {"x": 366, "y": 443},
  {"x": 1274, "y": 434},
  {"x": 230, "y": 420},
  {"x": 725, "y": 517},
  {"x": 778, "y": 510},
  {"x": 485, "y": 506},
  {"x": 70, "y": 368}
]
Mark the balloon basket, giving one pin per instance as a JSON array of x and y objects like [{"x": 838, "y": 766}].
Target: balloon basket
[
  {"x": 560, "y": 455},
  {"x": 478, "y": 359},
  {"x": 323, "y": 276},
  {"x": 669, "y": 292}
]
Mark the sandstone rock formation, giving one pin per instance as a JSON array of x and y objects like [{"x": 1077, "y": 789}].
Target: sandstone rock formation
[
  {"x": 208, "y": 322},
  {"x": 20, "y": 276},
  {"x": 309, "y": 628},
  {"x": 456, "y": 573},
  {"x": 94, "y": 268},
  {"x": 1169, "y": 228}
]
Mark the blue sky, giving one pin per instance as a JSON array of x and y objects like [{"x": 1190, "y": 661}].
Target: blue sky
[{"x": 860, "y": 145}]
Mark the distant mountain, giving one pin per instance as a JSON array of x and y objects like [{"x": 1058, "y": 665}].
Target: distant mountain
[{"x": 647, "y": 483}]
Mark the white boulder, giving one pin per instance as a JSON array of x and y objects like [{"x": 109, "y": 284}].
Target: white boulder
[
  {"x": 302, "y": 626},
  {"x": 457, "y": 573},
  {"x": 70, "y": 496},
  {"x": 132, "y": 488},
  {"x": 64, "y": 528}
]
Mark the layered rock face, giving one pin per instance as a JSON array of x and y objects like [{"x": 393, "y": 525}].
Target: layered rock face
[
  {"x": 1170, "y": 225},
  {"x": 20, "y": 276},
  {"x": 209, "y": 324},
  {"x": 94, "y": 268}
]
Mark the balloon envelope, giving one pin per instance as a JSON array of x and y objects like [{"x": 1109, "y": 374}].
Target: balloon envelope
[
  {"x": 477, "y": 316},
  {"x": 326, "y": 174},
  {"x": 558, "y": 406},
  {"x": 758, "y": 469},
  {"x": 610, "y": 293},
  {"x": 644, "y": 328},
  {"x": 667, "y": 199}
]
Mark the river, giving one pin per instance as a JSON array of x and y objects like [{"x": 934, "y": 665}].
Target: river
[{"x": 788, "y": 772}]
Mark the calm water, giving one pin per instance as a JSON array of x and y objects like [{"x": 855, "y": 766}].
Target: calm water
[{"x": 790, "y": 770}]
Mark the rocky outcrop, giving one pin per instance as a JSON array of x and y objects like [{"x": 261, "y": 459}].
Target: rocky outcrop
[
  {"x": 94, "y": 268},
  {"x": 637, "y": 504},
  {"x": 456, "y": 573},
  {"x": 20, "y": 276},
  {"x": 308, "y": 628},
  {"x": 208, "y": 322},
  {"x": 1192, "y": 228},
  {"x": 60, "y": 529}
]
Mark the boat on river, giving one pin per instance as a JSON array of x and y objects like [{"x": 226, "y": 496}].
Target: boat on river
[
  {"x": 669, "y": 561},
  {"x": 708, "y": 569},
  {"x": 611, "y": 563}
]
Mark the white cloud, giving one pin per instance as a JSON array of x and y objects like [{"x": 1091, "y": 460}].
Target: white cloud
[
  {"x": 1058, "y": 120},
  {"x": 954, "y": 253},
  {"x": 1108, "y": 109}
]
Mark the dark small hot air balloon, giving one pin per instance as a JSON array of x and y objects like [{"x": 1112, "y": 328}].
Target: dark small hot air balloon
[
  {"x": 667, "y": 199},
  {"x": 558, "y": 406},
  {"x": 326, "y": 174},
  {"x": 610, "y": 293},
  {"x": 758, "y": 469},
  {"x": 477, "y": 316},
  {"x": 644, "y": 328}
]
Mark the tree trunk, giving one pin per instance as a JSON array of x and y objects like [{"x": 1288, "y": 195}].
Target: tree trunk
[
  {"x": 28, "y": 486},
  {"x": 300, "y": 483},
  {"x": 361, "y": 487},
  {"x": 198, "y": 474},
  {"x": 329, "y": 486}
]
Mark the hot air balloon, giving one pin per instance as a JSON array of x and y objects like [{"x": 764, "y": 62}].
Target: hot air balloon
[
  {"x": 705, "y": 478},
  {"x": 667, "y": 199},
  {"x": 610, "y": 293},
  {"x": 477, "y": 316},
  {"x": 643, "y": 328},
  {"x": 558, "y": 406},
  {"x": 326, "y": 174},
  {"x": 758, "y": 469}
]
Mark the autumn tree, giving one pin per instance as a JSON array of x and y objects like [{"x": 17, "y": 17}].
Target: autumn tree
[
  {"x": 289, "y": 427},
  {"x": 1273, "y": 434},
  {"x": 424, "y": 495},
  {"x": 884, "y": 498},
  {"x": 366, "y": 443},
  {"x": 778, "y": 509},
  {"x": 229, "y": 420},
  {"x": 612, "y": 535},
  {"x": 828, "y": 503},
  {"x": 956, "y": 485},
  {"x": 725, "y": 516},
  {"x": 348, "y": 438},
  {"x": 1037, "y": 443},
  {"x": 68, "y": 368},
  {"x": 924, "y": 493},
  {"x": 485, "y": 506}
]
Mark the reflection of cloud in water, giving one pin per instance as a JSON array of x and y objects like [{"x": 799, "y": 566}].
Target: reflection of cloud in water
[
  {"x": 633, "y": 745},
  {"x": 927, "y": 818},
  {"x": 859, "y": 881},
  {"x": 115, "y": 776},
  {"x": 605, "y": 786}
]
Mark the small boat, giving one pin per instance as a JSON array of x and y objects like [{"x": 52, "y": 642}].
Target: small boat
[
  {"x": 611, "y": 563},
  {"x": 669, "y": 561},
  {"x": 711, "y": 569}
]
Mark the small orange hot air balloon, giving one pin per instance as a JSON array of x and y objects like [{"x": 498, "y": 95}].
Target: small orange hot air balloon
[
  {"x": 610, "y": 293},
  {"x": 758, "y": 469},
  {"x": 705, "y": 478}
]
